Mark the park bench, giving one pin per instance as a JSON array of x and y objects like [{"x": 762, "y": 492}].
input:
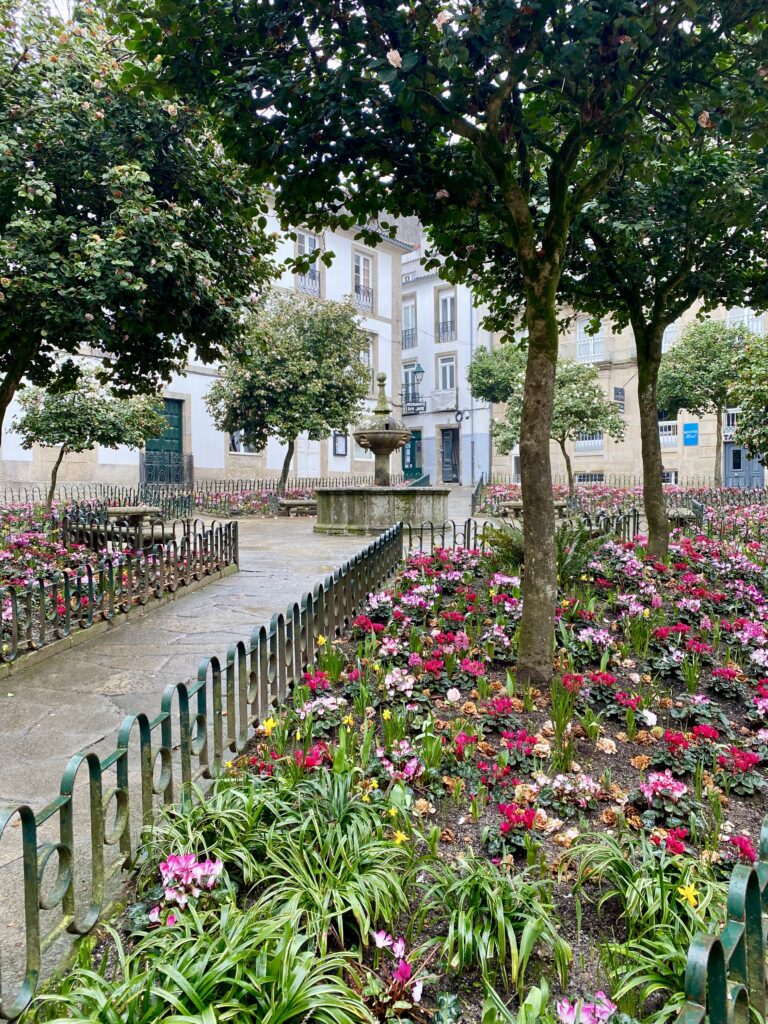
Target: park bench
[
  {"x": 296, "y": 507},
  {"x": 680, "y": 516},
  {"x": 514, "y": 509}
]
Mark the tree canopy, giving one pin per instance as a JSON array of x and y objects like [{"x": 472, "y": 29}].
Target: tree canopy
[
  {"x": 749, "y": 393},
  {"x": 581, "y": 405},
  {"x": 506, "y": 114},
  {"x": 123, "y": 227},
  {"x": 85, "y": 416},
  {"x": 698, "y": 375},
  {"x": 299, "y": 370}
]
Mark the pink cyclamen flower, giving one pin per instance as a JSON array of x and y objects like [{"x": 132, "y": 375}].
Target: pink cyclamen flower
[
  {"x": 382, "y": 939},
  {"x": 402, "y": 972},
  {"x": 398, "y": 947}
]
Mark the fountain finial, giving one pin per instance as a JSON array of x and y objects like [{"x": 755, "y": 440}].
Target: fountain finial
[{"x": 382, "y": 404}]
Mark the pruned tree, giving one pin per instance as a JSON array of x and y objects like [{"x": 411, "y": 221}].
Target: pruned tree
[
  {"x": 123, "y": 227},
  {"x": 580, "y": 406},
  {"x": 504, "y": 117},
  {"x": 749, "y": 392},
  {"x": 83, "y": 417},
  {"x": 300, "y": 370},
  {"x": 698, "y": 375}
]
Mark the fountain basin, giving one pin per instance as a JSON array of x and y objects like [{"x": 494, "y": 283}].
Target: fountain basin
[{"x": 347, "y": 511}]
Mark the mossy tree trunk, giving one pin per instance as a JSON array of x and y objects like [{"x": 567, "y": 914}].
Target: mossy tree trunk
[{"x": 648, "y": 343}]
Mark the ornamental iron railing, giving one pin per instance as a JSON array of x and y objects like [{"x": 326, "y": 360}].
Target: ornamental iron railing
[
  {"x": 725, "y": 974},
  {"x": 155, "y": 760},
  {"x": 166, "y": 468},
  {"x": 53, "y": 607}
]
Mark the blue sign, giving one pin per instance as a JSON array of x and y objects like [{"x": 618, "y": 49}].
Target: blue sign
[{"x": 690, "y": 435}]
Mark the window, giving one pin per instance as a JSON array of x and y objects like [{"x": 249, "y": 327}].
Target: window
[
  {"x": 740, "y": 316},
  {"x": 590, "y": 478},
  {"x": 368, "y": 356},
  {"x": 362, "y": 453},
  {"x": 339, "y": 443},
  {"x": 736, "y": 460},
  {"x": 447, "y": 373},
  {"x": 409, "y": 324},
  {"x": 590, "y": 348},
  {"x": 410, "y": 385},
  {"x": 668, "y": 433},
  {"x": 729, "y": 427},
  {"x": 238, "y": 446},
  {"x": 446, "y": 316},
  {"x": 669, "y": 476},
  {"x": 363, "y": 281},
  {"x": 306, "y": 244},
  {"x": 589, "y": 441},
  {"x": 669, "y": 337},
  {"x": 619, "y": 397}
]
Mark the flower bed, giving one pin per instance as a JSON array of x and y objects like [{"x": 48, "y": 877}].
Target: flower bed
[
  {"x": 418, "y": 836},
  {"x": 261, "y": 502}
]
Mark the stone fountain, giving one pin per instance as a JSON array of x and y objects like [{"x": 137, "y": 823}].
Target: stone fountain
[{"x": 372, "y": 510}]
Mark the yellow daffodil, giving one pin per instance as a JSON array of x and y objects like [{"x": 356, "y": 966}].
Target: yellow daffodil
[
  {"x": 392, "y": 812},
  {"x": 373, "y": 784},
  {"x": 321, "y": 640},
  {"x": 386, "y": 714},
  {"x": 348, "y": 720},
  {"x": 399, "y": 837},
  {"x": 646, "y": 613},
  {"x": 376, "y": 667},
  {"x": 269, "y": 726},
  {"x": 228, "y": 764},
  {"x": 298, "y": 735},
  {"x": 365, "y": 798},
  {"x": 689, "y": 893}
]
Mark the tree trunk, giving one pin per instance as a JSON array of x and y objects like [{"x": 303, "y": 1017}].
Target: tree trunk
[
  {"x": 286, "y": 467},
  {"x": 8, "y": 388},
  {"x": 537, "y": 625},
  {"x": 568, "y": 468},
  {"x": 54, "y": 474},
  {"x": 719, "y": 447},
  {"x": 648, "y": 361}
]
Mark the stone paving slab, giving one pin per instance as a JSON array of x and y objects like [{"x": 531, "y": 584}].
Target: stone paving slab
[{"x": 79, "y": 697}]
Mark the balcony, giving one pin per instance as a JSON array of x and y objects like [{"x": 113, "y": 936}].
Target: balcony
[
  {"x": 412, "y": 402},
  {"x": 409, "y": 337},
  {"x": 446, "y": 330},
  {"x": 668, "y": 434},
  {"x": 591, "y": 351},
  {"x": 588, "y": 443},
  {"x": 364, "y": 298},
  {"x": 309, "y": 283}
]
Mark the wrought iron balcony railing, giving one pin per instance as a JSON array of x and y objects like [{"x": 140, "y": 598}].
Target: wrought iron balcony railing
[
  {"x": 309, "y": 283},
  {"x": 409, "y": 337},
  {"x": 446, "y": 330},
  {"x": 364, "y": 297},
  {"x": 412, "y": 402}
]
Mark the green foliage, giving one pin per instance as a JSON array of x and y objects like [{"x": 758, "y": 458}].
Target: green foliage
[
  {"x": 697, "y": 374},
  {"x": 88, "y": 415},
  {"x": 122, "y": 225},
  {"x": 326, "y": 878},
  {"x": 298, "y": 370},
  {"x": 227, "y": 965},
  {"x": 495, "y": 919},
  {"x": 665, "y": 901},
  {"x": 750, "y": 393},
  {"x": 507, "y": 546},
  {"x": 575, "y": 547},
  {"x": 580, "y": 402}
]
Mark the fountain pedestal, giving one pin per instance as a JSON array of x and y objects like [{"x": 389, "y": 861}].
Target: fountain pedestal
[{"x": 372, "y": 510}]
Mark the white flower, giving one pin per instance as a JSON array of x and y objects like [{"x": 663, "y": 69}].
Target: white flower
[
  {"x": 453, "y": 695},
  {"x": 442, "y": 194},
  {"x": 649, "y": 718},
  {"x": 394, "y": 58},
  {"x": 442, "y": 19}
]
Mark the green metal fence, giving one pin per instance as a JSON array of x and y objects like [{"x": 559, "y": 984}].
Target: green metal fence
[
  {"x": 726, "y": 974},
  {"x": 54, "y": 607},
  {"x": 209, "y": 717}
]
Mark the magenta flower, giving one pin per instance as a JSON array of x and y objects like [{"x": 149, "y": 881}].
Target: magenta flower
[{"x": 402, "y": 972}]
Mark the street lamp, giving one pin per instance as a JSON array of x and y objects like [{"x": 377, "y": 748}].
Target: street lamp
[{"x": 418, "y": 373}]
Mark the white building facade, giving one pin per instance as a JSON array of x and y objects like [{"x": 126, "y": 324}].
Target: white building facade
[
  {"x": 192, "y": 448},
  {"x": 441, "y": 331}
]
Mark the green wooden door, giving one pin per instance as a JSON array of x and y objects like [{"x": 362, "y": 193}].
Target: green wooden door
[
  {"x": 173, "y": 438},
  {"x": 412, "y": 466}
]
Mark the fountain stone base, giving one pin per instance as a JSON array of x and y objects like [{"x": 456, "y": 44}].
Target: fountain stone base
[{"x": 349, "y": 511}]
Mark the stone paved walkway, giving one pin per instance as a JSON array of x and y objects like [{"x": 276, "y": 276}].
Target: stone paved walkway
[{"x": 78, "y": 698}]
